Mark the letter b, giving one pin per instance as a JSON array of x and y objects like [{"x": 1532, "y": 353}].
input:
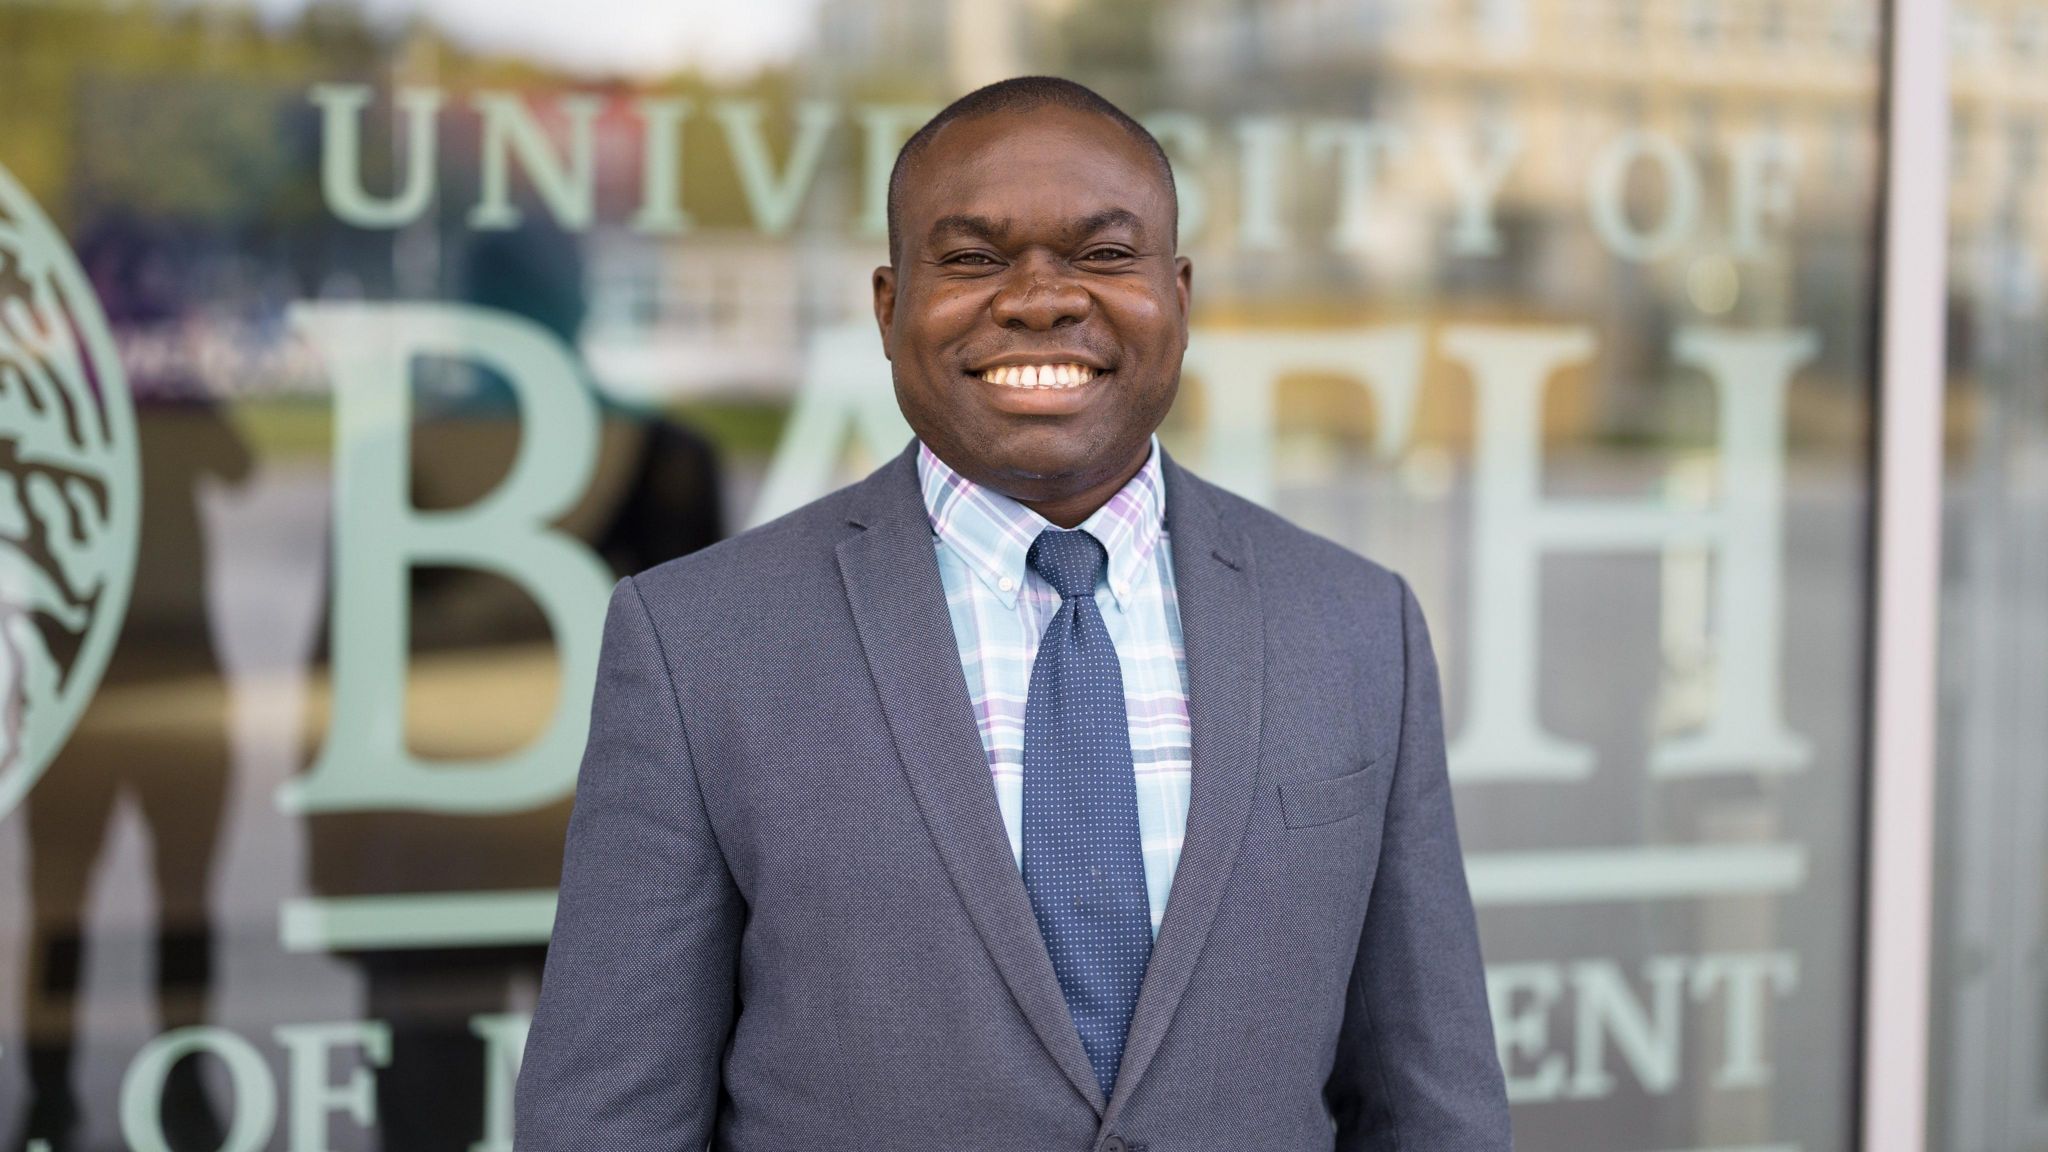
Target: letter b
[{"x": 379, "y": 537}]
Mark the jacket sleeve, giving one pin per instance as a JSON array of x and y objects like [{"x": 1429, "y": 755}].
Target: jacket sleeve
[
  {"x": 637, "y": 997},
  {"x": 1416, "y": 1068}
]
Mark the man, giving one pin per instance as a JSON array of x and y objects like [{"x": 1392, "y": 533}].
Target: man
[{"x": 1031, "y": 793}]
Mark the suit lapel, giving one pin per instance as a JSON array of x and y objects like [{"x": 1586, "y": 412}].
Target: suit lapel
[
  {"x": 899, "y": 610},
  {"x": 1222, "y": 630}
]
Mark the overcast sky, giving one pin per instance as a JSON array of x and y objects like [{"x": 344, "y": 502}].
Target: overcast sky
[{"x": 725, "y": 38}]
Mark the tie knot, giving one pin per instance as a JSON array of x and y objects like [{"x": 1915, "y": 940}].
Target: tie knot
[{"x": 1071, "y": 560}]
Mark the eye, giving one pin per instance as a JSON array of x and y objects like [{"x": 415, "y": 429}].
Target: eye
[
  {"x": 1106, "y": 252},
  {"x": 972, "y": 259}
]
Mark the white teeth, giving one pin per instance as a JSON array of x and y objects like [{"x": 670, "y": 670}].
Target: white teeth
[{"x": 1040, "y": 375}]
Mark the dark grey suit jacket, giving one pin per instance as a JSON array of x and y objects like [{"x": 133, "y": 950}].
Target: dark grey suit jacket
[{"x": 790, "y": 918}]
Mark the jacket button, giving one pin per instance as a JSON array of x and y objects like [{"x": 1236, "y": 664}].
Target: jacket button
[{"x": 1115, "y": 1144}]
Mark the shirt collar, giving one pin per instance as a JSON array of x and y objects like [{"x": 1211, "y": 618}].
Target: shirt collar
[{"x": 993, "y": 533}]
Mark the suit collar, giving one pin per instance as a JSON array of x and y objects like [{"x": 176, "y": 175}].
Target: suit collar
[{"x": 899, "y": 608}]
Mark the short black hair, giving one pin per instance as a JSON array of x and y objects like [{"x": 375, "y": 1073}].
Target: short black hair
[{"x": 1022, "y": 94}]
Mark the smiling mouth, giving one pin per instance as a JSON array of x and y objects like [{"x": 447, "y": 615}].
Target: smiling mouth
[{"x": 1054, "y": 377}]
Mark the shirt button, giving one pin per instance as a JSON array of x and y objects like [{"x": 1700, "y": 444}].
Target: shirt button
[
  {"x": 1006, "y": 583},
  {"x": 1114, "y": 1144}
]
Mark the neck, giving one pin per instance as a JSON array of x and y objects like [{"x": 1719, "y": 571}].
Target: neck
[{"x": 1069, "y": 510}]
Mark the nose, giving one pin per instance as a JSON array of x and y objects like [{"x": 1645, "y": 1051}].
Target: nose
[{"x": 1039, "y": 295}]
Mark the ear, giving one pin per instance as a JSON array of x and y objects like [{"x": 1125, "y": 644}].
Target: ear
[
  {"x": 884, "y": 284},
  {"x": 1184, "y": 287}
]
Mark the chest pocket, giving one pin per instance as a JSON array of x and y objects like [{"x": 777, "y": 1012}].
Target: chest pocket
[{"x": 1306, "y": 803}]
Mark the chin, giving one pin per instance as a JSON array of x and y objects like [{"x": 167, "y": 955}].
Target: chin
[
  {"x": 1042, "y": 478},
  {"x": 1023, "y": 454}
]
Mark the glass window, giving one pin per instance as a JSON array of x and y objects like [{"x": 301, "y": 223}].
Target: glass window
[
  {"x": 1990, "y": 1037},
  {"x": 1569, "y": 324}
]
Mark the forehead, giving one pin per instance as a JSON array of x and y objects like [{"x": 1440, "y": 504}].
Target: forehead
[{"x": 1048, "y": 166}]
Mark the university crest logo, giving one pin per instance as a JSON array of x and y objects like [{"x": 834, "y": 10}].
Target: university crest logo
[{"x": 70, "y": 495}]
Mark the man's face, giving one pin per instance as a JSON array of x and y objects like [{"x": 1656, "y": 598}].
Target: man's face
[{"x": 1036, "y": 315}]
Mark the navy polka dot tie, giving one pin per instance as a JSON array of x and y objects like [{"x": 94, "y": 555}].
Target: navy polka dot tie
[{"x": 1084, "y": 864}]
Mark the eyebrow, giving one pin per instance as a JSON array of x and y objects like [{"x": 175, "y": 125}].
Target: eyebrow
[{"x": 992, "y": 230}]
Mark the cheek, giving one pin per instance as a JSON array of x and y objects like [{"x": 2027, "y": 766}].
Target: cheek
[
  {"x": 944, "y": 316},
  {"x": 1149, "y": 321}
]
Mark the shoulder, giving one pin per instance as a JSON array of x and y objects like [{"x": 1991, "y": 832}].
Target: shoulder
[
  {"x": 777, "y": 560},
  {"x": 1297, "y": 566}
]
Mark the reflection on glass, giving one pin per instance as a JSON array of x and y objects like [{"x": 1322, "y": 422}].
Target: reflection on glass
[
  {"x": 1560, "y": 307},
  {"x": 1991, "y": 987}
]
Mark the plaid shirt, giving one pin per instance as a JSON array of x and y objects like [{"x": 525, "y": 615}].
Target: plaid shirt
[{"x": 1000, "y": 609}]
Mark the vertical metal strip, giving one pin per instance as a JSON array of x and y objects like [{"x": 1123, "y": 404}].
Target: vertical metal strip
[{"x": 1899, "y": 885}]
